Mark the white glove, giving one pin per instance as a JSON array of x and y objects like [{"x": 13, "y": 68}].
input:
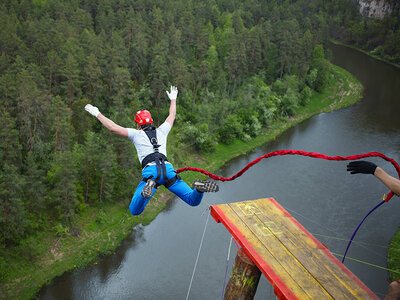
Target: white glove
[
  {"x": 173, "y": 94},
  {"x": 93, "y": 110}
]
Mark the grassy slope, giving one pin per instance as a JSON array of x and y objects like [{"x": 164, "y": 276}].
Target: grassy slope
[
  {"x": 393, "y": 259},
  {"x": 100, "y": 232}
]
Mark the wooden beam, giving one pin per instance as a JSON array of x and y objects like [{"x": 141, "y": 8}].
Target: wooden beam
[
  {"x": 244, "y": 278},
  {"x": 295, "y": 262}
]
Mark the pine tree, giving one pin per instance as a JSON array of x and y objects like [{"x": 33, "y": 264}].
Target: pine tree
[
  {"x": 10, "y": 40},
  {"x": 92, "y": 76},
  {"x": 91, "y": 152},
  {"x": 70, "y": 71},
  {"x": 158, "y": 77},
  {"x": 107, "y": 164},
  {"x": 12, "y": 210},
  {"x": 62, "y": 177}
]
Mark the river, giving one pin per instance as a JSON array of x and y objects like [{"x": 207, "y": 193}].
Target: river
[{"x": 157, "y": 261}]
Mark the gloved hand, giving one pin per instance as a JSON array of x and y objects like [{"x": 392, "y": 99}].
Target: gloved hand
[
  {"x": 361, "y": 166},
  {"x": 173, "y": 94},
  {"x": 93, "y": 110}
]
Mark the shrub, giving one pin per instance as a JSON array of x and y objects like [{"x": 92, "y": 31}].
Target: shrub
[
  {"x": 266, "y": 115},
  {"x": 61, "y": 230},
  {"x": 289, "y": 103},
  {"x": 230, "y": 129},
  {"x": 251, "y": 124},
  {"x": 311, "y": 77},
  {"x": 305, "y": 96},
  {"x": 199, "y": 137},
  {"x": 204, "y": 140}
]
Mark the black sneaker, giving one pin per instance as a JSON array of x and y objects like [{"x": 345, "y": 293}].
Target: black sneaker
[
  {"x": 205, "y": 186},
  {"x": 148, "y": 189}
]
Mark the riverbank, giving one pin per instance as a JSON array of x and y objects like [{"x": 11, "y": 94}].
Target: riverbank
[
  {"x": 100, "y": 232},
  {"x": 369, "y": 53}
]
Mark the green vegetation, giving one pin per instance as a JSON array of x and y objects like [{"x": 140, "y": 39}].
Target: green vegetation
[
  {"x": 262, "y": 65},
  {"x": 228, "y": 59},
  {"x": 98, "y": 232},
  {"x": 50, "y": 254},
  {"x": 378, "y": 38},
  {"x": 393, "y": 260}
]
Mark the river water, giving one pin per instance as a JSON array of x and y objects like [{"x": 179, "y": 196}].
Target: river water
[{"x": 157, "y": 261}]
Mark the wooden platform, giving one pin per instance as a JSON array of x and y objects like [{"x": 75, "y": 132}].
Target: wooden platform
[{"x": 297, "y": 264}]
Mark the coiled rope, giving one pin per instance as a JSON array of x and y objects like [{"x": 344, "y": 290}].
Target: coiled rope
[{"x": 309, "y": 154}]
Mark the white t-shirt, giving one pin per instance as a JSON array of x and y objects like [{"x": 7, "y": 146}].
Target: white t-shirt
[{"x": 142, "y": 143}]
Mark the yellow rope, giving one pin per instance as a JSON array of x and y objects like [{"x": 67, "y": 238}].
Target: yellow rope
[
  {"x": 346, "y": 240},
  {"x": 367, "y": 263}
]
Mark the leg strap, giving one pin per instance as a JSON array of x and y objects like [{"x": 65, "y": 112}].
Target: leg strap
[
  {"x": 150, "y": 177},
  {"x": 160, "y": 163},
  {"x": 147, "y": 178},
  {"x": 169, "y": 182},
  {"x": 158, "y": 171}
]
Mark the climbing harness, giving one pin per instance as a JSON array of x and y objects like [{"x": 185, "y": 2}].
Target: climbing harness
[
  {"x": 313, "y": 155},
  {"x": 158, "y": 158}
]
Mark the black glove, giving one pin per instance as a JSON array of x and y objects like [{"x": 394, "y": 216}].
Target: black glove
[{"x": 362, "y": 166}]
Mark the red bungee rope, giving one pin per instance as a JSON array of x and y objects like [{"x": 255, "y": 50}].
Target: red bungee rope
[
  {"x": 310, "y": 154},
  {"x": 296, "y": 152}
]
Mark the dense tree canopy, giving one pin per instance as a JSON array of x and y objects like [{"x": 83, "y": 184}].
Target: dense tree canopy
[{"x": 249, "y": 61}]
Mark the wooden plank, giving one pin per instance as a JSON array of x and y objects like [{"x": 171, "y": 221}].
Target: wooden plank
[
  {"x": 272, "y": 270},
  {"x": 285, "y": 265},
  {"x": 306, "y": 252},
  {"x": 296, "y": 263},
  {"x": 315, "y": 258}
]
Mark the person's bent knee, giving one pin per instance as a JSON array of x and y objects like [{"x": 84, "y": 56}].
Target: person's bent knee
[
  {"x": 135, "y": 211},
  {"x": 197, "y": 203}
]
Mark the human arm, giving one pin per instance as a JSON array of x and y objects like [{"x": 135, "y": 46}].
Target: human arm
[
  {"x": 172, "y": 107},
  {"x": 109, "y": 124},
  {"x": 391, "y": 182},
  {"x": 366, "y": 167}
]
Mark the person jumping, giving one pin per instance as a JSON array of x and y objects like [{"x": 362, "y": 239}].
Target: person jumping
[{"x": 151, "y": 147}]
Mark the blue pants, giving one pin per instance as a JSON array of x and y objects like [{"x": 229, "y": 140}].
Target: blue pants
[{"x": 179, "y": 188}]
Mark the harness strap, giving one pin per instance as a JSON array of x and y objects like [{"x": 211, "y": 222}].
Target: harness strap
[
  {"x": 159, "y": 171},
  {"x": 170, "y": 182},
  {"x": 153, "y": 157},
  {"x": 167, "y": 182},
  {"x": 159, "y": 159},
  {"x": 152, "y": 135}
]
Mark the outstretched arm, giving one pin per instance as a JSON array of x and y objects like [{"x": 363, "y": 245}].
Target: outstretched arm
[
  {"x": 109, "y": 124},
  {"x": 366, "y": 167},
  {"x": 391, "y": 182},
  {"x": 172, "y": 108}
]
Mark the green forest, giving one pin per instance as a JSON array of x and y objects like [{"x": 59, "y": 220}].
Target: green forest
[{"x": 239, "y": 66}]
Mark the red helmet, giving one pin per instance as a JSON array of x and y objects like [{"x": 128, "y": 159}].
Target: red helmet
[{"x": 143, "y": 117}]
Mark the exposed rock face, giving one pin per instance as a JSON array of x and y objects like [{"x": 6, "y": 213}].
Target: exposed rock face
[{"x": 376, "y": 9}]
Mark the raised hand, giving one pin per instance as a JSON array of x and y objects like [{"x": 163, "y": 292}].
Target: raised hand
[
  {"x": 93, "y": 110},
  {"x": 173, "y": 94}
]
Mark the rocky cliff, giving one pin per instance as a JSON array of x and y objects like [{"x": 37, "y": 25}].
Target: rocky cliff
[{"x": 377, "y": 9}]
